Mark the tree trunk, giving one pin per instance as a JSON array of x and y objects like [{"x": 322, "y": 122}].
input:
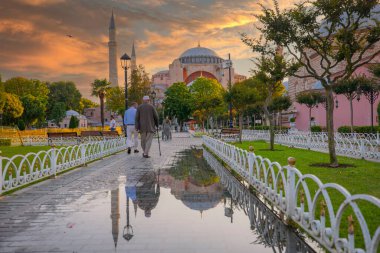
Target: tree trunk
[
  {"x": 102, "y": 110},
  {"x": 352, "y": 116},
  {"x": 330, "y": 127},
  {"x": 271, "y": 122},
  {"x": 240, "y": 125},
  {"x": 310, "y": 119}
]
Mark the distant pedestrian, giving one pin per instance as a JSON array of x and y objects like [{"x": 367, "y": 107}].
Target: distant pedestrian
[
  {"x": 166, "y": 130},
  {"x": 146, "y": 124},
  {"x": 130, "y": 123},
  {"x": 113, "y": 123}
]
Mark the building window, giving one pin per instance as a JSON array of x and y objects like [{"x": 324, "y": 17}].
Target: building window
[{"x": 65, "y": 125}]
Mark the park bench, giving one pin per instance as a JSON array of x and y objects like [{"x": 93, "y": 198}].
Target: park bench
[
  {"x": 90, "y": 133},
  {"x": 229, "y": 133},
  {"x": 110, "y": 134},
  {"x": 61, "y": 136}
]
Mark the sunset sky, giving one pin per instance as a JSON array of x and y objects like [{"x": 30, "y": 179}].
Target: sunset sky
[{"x": 33, "y": 41}]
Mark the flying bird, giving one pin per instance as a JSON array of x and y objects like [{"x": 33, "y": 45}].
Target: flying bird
[{"x": 69, "y": 35}]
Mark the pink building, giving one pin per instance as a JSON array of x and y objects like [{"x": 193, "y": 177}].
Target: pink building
[
  {"x": 193, "y": 63},
  {"x": 361, "y": 109}
]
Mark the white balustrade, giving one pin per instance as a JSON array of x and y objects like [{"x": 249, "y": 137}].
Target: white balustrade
[
  {"x": 366, "y": 146},
  {"x": 290, "y": 191},
  {"x": 20, "y": 170}
]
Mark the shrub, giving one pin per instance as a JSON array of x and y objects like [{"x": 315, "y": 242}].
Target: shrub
[
  {"x": 5, "y": 142},
  {"x": 21, "y": 125},
  {"x": 316, "y": 129},
  {"x": 359, "y": 129},
  {"x": 344, "y": 129},
  {"x": 293, "y": 120}
]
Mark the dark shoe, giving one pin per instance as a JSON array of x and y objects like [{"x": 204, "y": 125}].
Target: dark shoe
[
  {"x": 129, "y": 150},
  {"x": 136, "y": 151},
  {"x": 146, "y": 156}
]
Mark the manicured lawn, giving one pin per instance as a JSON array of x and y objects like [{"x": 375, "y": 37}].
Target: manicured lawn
[
  {"x": 363, "y": 178},
  {"x": 21, "y": 150}
]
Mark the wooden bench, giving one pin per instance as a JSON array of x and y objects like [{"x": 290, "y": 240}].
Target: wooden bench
[
  {"x": 90, "y": 133},
  {"x": 112, "y": 134},
  {"x": 230, "y": 133},
  {"x": 60, "y": 136}
]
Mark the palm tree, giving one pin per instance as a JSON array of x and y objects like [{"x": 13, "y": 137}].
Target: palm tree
[{"x": 100, "y": 89}]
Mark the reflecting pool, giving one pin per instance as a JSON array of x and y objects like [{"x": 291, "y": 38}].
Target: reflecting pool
[{"x": 195, "y": 205}]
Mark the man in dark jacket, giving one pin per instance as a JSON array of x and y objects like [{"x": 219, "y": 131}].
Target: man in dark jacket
[{"x": 146, "y": 123}]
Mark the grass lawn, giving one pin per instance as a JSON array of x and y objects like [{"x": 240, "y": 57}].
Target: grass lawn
[
  {"x": 362, "y": 178},
  {"x": 21, "y": 150}
]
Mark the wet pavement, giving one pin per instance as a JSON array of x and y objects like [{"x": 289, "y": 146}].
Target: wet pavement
[{"x": 183, "y": 201}]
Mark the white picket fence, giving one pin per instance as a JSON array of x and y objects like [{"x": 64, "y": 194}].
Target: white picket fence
[
  {"x": 351, "y": 145},
  {"x": 20, "y": 170},
  {"x": 289, "y": 191}
]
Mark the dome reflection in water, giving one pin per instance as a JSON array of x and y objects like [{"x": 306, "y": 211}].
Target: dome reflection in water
[{"x": 211, "y": 211}]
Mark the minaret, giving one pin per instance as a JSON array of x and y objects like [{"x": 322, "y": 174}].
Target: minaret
[
  {"x": 115, "y": 215},
  {"x": 133, "y": 57},
  {"x": 112, "y": 52}
]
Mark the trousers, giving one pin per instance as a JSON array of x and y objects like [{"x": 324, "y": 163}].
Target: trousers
[
  {"x": 146, "y": 141},
  {"x": 132, "y": 131}
]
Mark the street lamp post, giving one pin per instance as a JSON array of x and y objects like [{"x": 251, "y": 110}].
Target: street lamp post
[
  {"x": 230, "y": 88},
  {"x": 1, "y": 118},
  {"x": 153, "y": 94},
  {"x": 124, "y": 64}
]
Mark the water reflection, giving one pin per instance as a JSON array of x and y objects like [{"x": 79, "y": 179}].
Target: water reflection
[
  {"x": 270, "y": 230},
  {"x": 202, "y": 184}
]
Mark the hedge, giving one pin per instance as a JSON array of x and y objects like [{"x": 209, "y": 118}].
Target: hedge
[
  {"x": 317, "y": 129},
  {"x": 267, "y": 128},
  {"x": 5, "y": 142},
  {"x": 359, "y": 129}
]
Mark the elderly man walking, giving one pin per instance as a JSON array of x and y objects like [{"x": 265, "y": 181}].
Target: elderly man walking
[
  {"x": 129, "y": 121},
  {"x": 146, "y": 123}
]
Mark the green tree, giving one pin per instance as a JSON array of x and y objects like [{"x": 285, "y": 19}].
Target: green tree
[
  {"x": 34, "y": 110},
  {"x": 178, "y": 102},
  {"x": 350, "y": 89},
  {"x": 116, "y": 100},
  {"x": 337, "y": 33},
  {"x": 86, "y": 103},
  {"x": 100, "y": 89},
  {"x": 310, "y": 99},
  {"x": 243, "y": 95},
  {"x": 74, "y": 122},
  {"x": 65, "y": 92},
  {"x": 271, "y": 70},
  {"x": 58, "y": 113},
  {"x": 371, "y": 90},
  {"x": 207, "y": 98},
  {"x": 12, "y": 108},
  {"x": 280, "y": 104},
  {"x": 139, "y": 85},
  {"x": 21, "y": 87}
]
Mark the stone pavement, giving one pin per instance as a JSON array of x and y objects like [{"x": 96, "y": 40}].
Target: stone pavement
[{"x": 41, "y": 207}]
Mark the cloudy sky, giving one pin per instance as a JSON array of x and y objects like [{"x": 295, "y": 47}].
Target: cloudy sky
[{"x": 33, "y": 41}]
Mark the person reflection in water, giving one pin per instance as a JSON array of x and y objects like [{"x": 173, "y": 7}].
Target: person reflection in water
[{"x": 148, "y": 192}]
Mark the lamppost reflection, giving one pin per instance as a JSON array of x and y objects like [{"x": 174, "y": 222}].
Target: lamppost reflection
[{"x": 130, "y": 191}]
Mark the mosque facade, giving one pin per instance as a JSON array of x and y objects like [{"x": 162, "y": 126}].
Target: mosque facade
[{"x": 193, "y": 63}]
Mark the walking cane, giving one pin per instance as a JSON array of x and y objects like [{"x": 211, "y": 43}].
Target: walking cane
[{"x": 158, "y": 138}]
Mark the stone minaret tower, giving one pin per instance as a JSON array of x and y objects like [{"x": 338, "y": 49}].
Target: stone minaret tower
[
  {"x": 133, "y": 57},
  {"x": 112, "y": 52}
]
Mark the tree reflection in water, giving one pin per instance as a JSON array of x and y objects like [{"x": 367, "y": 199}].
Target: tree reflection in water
[{"x": 270, "y": 230}]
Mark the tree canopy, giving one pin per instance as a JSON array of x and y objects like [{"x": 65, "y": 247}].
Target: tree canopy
[
  {"x": 139, "y": 85},
  {"x": 65, "y": 92},
  {"x": 11, "y": 106},
  {"x": 116, "y": 100},
  {"x": 178, "y": 101},
  {"x": 34, "y": 110}
]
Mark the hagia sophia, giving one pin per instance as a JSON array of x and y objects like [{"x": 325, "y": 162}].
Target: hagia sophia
[{"x": 193, "y": 63}]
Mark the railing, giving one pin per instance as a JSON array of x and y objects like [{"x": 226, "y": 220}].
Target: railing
[
  {"x": 292, "y": 193},
  {"x": 20, "y": 170},
  {"x": 271, "y": 231},
  {"x": 351, "y": 145}
]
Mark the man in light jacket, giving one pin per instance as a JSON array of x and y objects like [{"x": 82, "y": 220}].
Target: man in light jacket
[
  {"x": 129, "y": 122},
  {"x": 146, "y": 124}
]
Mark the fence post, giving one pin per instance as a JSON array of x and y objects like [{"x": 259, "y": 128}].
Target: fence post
[
  {"x": 362, "y": 148},
  {"x": 83, "y": 154},
  {"x": 53, "y": 161},
  {"x": 290, "y": 188},
  {"x": 377, "y": 138},
  {"x": 1, "y": 174}
]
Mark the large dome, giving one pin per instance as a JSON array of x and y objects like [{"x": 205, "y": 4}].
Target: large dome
[
  {"x": 200, "y": 55},
  {"x": 198, "y": 51}
]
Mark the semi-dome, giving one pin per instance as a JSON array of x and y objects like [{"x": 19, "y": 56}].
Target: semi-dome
[{"x": 200, "y": 55}]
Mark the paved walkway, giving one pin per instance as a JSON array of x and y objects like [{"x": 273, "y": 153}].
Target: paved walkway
[{"x": 24, "y": 213}]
